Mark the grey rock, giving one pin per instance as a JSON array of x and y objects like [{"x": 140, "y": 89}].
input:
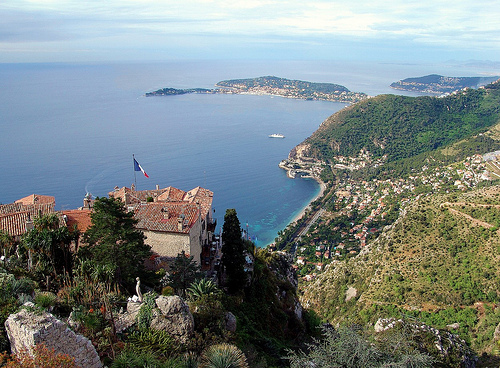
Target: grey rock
[
  {"x": 175, "y": 317},
  {"x": 27, "y": 329},
  {"x": 230, "y": 320}
]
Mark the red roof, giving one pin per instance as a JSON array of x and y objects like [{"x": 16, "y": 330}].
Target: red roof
[
  {"x": 199, "y": 196},
  {"x": 13, "y": 217},
  {"x": 166, "y": 217},
  {"x": 37, "y": 199},
  {"x": 80, "y": 218}
]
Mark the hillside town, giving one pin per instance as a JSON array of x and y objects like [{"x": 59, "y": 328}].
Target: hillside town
[
  {"x": 172, "y": 220},
  {"x": 358, "y": 210}
]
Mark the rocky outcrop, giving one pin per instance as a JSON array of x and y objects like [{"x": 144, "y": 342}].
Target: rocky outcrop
[
  {"x": 127, "y": 319},
  {"x": 174, "y": 316},
  {"x": 30, "y": 327},
  {"x": 449, "y": 347},
  {"x": 171, "y": 314}
]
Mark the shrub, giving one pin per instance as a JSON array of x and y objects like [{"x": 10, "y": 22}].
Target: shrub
[
  {"x": 145, "y": 314},
  {"x": 41, "y": 357},
  {"x": 45, "y": 299},
  {"x": 223, "y": 356},
  {"x": 136, "y": 359},
  {"x": 167, "y": 291},
  {"x": 157, "y": 342},
  {"x": 202, "y": 287}
]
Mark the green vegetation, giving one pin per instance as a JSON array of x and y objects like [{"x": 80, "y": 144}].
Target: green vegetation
[
  {"x": 434, "y": 264},
  {"x": 114, "y": 245},
  {"x": 438, "y": 84},
  {"x": 233, "y": 252},
  {"x": 352, "y": 347},
  {"x": 398, "y": 127}
]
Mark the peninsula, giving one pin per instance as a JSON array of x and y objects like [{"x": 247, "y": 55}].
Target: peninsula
[
  {"x": 275, "y": 86},
  {"x": 438, "y": 84}
]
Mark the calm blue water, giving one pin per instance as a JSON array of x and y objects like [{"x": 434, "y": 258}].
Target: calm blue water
[{"x": 69, "y": 129}]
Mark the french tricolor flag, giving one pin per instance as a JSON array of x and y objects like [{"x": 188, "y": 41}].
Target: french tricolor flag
[{"x": 138, "y": 167}]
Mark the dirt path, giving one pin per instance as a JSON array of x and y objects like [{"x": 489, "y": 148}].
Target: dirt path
[{"x": 473, "y": 220}]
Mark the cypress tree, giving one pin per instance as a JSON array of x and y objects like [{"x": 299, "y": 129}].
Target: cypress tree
[{"x": 233, "y": 248}]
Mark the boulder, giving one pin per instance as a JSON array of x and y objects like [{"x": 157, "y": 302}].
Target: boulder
[
  {"x": 173, "y": 316},
  {"x": 31, "y": 327},
  {"x": 230, "y": 320}
]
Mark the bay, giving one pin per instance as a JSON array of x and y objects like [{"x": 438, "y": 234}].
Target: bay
[{"x": 68, "y": 129}]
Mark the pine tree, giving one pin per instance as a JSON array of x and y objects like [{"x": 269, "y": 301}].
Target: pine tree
[{"x": 113, "y": 240}]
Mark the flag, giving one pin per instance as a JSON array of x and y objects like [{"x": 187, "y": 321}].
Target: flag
[{"x": 138, "y": 167}]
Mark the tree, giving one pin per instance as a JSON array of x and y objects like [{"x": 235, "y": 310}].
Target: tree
[
  {"x": 183, "y": 272},
  {"x": 113, "y": 242},
  {"x": 233, "y": 252},
  {"x": 46, "y": 248}
]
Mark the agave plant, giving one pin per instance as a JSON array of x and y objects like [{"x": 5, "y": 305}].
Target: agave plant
[
  {"x": 202, "y": 287},
  {"x": 223, "y": 356}
]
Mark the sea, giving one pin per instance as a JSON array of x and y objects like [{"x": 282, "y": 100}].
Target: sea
[{"x": 67, "y": 129}]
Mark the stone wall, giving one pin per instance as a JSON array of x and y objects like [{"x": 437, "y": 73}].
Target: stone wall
[
  {"x": 28, "y": 328},
  {"x": 171, "y": 244}
]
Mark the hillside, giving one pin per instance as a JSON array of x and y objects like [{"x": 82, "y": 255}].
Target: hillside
[
  {"x": 439, "y": 84},
  {"x": 397, "y": 127},
  {"x": 440, "y": 256},
  {"x": 408, "y": 225}
]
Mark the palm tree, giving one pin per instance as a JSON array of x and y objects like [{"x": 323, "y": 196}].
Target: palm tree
[{"x": 223, "y": 356}]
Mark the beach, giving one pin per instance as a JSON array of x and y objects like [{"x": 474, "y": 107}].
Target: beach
[{"x": 322, "y": 188}]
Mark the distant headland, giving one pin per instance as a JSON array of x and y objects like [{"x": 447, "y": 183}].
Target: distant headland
[
  {"x": 275, "y": 86},
  {"x": 439, "y": 84}
]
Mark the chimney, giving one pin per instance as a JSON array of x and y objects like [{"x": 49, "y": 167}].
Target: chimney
[
  {"x": 180, "y": 221},
  {"x": 157, "y": 187},
  {"x": 29, "y": 223}
]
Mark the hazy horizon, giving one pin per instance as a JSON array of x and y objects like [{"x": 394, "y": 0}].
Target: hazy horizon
[{"x": 147, "y": 30}]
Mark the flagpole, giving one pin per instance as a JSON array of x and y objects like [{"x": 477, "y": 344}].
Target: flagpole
[{"x": 135, "y": 176}]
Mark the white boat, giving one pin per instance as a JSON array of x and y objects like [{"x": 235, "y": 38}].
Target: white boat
[{"x": 276, "y": 135}]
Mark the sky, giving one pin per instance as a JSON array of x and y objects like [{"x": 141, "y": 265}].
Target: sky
[{"x": 154, "y": 30}]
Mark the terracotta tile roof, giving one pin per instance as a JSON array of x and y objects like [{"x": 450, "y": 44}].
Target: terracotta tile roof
[
  {"x": 165, "y": 217},
  {"x": 80, "y": 218},
  {"x": 37, "y": 199},
  {"x": 199, "y": 196},
  {"x": 14, "y": 224},
  {"x": 172, "y": 194},
  {"x": 129, "y": 196},
  {"x": 11, "y": 208},
  {"x": 13, "y": 217}
]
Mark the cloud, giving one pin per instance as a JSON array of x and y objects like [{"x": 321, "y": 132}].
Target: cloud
[{"x": 456, "y": 23}]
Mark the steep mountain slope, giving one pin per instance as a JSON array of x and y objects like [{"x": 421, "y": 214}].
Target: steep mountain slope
[
  {"x": 441, "y": 256},
  {"x": 399, "y": 127}
]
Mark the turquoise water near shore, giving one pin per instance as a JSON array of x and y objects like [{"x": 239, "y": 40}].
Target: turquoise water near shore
[{"x": 68, "y": 129}]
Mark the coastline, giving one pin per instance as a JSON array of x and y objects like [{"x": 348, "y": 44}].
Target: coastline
[
  {"x": 322, "y": 187},
  {"x": 301, "y": 213}
]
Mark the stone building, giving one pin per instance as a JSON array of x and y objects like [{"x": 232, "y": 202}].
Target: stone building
[{"x": 172, "y": 220}]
